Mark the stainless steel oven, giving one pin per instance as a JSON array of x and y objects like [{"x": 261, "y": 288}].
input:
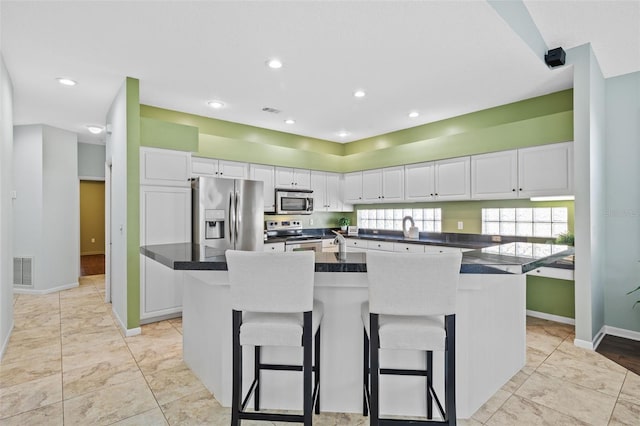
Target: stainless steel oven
[{"x": 299, "y": 201}]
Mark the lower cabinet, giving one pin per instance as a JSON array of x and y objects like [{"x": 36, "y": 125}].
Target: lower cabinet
[
  {"x": 274, "y": 247},
  {"x": 165, "y": 217}
]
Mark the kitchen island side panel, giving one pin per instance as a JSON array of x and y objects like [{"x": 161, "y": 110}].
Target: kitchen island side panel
[{"x": 491, "y": 345}]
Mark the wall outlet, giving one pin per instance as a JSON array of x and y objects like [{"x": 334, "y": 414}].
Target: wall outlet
[
  {"x": 460, "y": 225},
  {"x": 93, "y": 240},
  {"x": 310, "y": 221},
  {"x": 496, "y": 238}
]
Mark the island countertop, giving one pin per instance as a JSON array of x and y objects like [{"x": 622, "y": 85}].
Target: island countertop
[{"x": 511, "y": 258}]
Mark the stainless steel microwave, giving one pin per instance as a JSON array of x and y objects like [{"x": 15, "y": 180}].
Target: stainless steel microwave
[{"x": 294, "y": 201}]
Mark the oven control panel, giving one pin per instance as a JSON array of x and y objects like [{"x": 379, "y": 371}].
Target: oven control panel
[{"x": 281, "y": 225}]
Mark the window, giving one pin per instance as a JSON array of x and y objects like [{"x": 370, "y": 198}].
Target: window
[
  {"x": 427, "y": 220},
  {"x": 543, "y": 222}
]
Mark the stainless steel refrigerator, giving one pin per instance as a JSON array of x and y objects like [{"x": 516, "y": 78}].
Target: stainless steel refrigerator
[{"x": 228, "y": 213}]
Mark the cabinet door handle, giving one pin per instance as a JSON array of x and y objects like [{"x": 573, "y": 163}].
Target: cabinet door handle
[
  {"x": 514, "y": 190},
  {"x": 520, "y": 189}
]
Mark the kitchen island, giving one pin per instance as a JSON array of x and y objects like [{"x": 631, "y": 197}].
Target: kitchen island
[{"x": 490, "y": 329}]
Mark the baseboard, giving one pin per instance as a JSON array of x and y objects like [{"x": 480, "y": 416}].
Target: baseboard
[
  {"x": 19, "y": 290},
  {"x": 551, "y": 317},
  {"x": 128, "y": 332},
  {"x": 5, "y": 343},
  {"x": 591, "y": 345},
  {"x": 621, "y": 332}
]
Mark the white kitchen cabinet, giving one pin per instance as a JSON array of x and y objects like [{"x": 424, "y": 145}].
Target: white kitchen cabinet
[
  {"x": 440, "y": 249},
  {"x": 353, "y": 188},
  {"x": 328, "y": 246},
  {"x": 327, "y": 191},
  {"x": 356, "y": 245},
  {"x": 453, "y": 179},
  {"x": 292, "y": 178},
  {"x": 419, "y": 182},
  {"x": 380, "y": 245},
  {"x": 408, "y": 248},
  {"x": 549, "y": 272},
  {"x": 165, "y": 217},
  {"x": 165, "y": 167},
  {"x": 545, "y": 170},
  {"x": 219, "y": 168},
  {"x": 383, "y": 185},
  {"x": 274, "y": 247},
  {"x": 265, "y": 174},
  {"x": 494, "y": 176}
]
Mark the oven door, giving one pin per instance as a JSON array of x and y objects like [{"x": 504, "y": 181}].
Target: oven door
[{"x": 304, "y": 245}]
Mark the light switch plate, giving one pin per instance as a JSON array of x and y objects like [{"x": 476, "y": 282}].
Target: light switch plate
[{"x": 460, "y": 225}]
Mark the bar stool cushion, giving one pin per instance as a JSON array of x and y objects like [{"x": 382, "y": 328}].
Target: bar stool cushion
[
  {"x": 277, "y": 329},
  {"x": 424, "y": 333}
]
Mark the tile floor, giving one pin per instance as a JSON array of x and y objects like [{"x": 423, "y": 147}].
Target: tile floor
[{"x": 68, "y": 364}]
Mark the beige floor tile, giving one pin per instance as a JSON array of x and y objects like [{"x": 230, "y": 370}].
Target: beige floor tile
[
  {"x": 27, "y": 370},
  {"x": 340, "y": 419},
  {"x": 26, "y": 334},
  {"x": 92, "y": 378},
  {"x": 631, "y": 388},
  {"x": 520, "y": 411},
  {"x": 31, "y": 320},
  {"x": 173, "y": 383},
  {"x": 28, "y": 396},
  {"x": 591, "y": 358},
  {"x": 89, "y": 338},
  {"x": 94, "y": 323},
  {"x": 50, "y": 415},
  {"x": 109, "y": 405},
  {"x": 114, "y": 353},
  {"x": 46, "y": 348},
  {"x": 467, "y": 422},
  {"x": 578, "y": 370},
  {"x": 540, "y": 339},
  {"x": 177, "y": 323},
  {"x": 515, "y": 382},
  {"x": 573, "y": 400},
  {"x": 149, "y": 418},
  {"x": 491, "y": 406},
  {"x": 534, "y": 359},
  {"x": 154, "y": 359},
  {"x": 198, "y": 408},
  {"x": 625, "y": 413}
]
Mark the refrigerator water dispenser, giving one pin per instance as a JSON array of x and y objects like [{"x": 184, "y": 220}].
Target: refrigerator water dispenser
[{"x": 214, "y": 224}]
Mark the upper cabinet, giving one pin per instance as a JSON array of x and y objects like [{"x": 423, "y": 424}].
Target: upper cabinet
[
  {"x": 495, "y": 175},
  {"x": 353, "y": 188},
  {"x": 545, "y": 170},
  {"x": 293, "y": 178},
  {"x": 523, "y": 173},
  {"x": 219, "y": 168},
  {"x": 265, "y": 174},
  {"x": 327, "y": 191},
  {"x": 383, "y": 185},
  {"x": 443, "y": 180},
  {"x": 165, "y": 167}
]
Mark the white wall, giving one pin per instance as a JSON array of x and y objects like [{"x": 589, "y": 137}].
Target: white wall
[
  {"x": 589, "y": 181},
  {"x": 47, "y": 218},
  {"x": 91, "y": 158},
  {"x": 6, "y": 213},
  {"x": 117, "y": 156},
  {"x": 623, "y": 201},
  {"x": 61, "y": 208}
]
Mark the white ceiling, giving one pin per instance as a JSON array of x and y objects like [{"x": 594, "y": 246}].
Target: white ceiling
[{"x": 440, "y": 58}]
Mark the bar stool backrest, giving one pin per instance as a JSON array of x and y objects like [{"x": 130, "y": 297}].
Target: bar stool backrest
[
  {"x": 413, "y": 283},
  {"x": 271, "y": 282}
]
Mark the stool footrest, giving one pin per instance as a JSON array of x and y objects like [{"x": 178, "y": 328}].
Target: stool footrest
[
  {"x": 274, "y": 417},
  {"x": 403, "y": 372}
]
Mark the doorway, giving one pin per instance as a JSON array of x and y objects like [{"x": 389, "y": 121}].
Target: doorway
[{"x": 92, "y": 226}]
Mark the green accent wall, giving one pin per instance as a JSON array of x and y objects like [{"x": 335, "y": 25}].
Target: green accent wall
[
  {"x": 133, "y": 203},
  {"x": 163, "y": 134},
  {"x": 537, "y": 121},
  {"x": 551, "y": 296}
]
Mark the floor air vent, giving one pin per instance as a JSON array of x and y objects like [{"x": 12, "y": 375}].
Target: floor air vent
[{"x": 23, "y": 271}]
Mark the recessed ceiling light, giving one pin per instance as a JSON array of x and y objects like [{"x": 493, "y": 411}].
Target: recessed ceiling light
[
  {"x": 413, "y": 114},
  {"x": 216, "y": 104},
  {"x": 66, "y": 81},
  {"x": 96, "y": 130},
  {"x": 343, "y": 134},
  {"x": 359, "y": 94},
  {"x": 290, "y": 121},
  {"x": 274, "y": 63}
]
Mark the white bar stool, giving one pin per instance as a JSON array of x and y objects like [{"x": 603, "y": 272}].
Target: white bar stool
[
  {"x": 272, "y": 304},
  {"x": 412, "y": 303}
]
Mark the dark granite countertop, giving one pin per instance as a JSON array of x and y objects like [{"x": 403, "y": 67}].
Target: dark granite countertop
[{"x": 505, "y": 258}]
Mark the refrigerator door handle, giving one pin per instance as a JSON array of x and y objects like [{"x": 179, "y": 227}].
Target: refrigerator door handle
[
  {"x": 236, "y": 219},
  {"x": 231, "y": 219}
]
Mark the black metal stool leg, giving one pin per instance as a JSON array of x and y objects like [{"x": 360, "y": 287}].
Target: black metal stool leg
[
  {"x": 450, "y": 369},
  {"x": 237, "y": 369},
  {"x": 374, "y": 369},
  {"x": 256, "y": 376},
  {"x": 317, "y": 369},
  {"x": 306, "y": 369},
  {"x": 365, "y": 375},
  {"x": 429, "y": 384}
]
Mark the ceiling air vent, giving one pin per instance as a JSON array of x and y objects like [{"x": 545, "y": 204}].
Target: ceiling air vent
[{"x": 271, "y": 110}]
